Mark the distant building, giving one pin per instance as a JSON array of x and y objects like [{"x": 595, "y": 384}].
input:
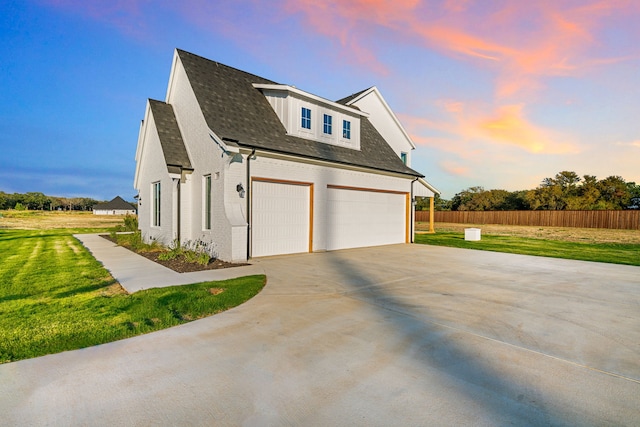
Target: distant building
[{"x": 116, "y": 206}]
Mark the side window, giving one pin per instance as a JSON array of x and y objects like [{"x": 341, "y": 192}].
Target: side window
[
  {"x": 156, "y": 204},
  {"x": 207, "y": 202},
  {"x": 306, "y": 118},
  {"x": 346, "y": 129},
  {"x": 327, "y": 124},
  {"x": 403, "y": 157}
]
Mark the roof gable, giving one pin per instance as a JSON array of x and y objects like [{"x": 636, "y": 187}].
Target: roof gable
[
  {"x": 372, "y": 94},
  {"x": 347, "y": 99},
  {"x": 173, "y": 148},
  {"x": 117, "y": 203},
  {"x": 239, "y": 113}
]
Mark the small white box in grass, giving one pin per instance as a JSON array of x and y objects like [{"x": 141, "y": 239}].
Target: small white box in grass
[{"x": 472, "y": 234}]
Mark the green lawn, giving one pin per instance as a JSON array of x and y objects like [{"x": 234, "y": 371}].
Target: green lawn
[
  {"x": 617, "y": 253},
  {"x": 54, "y": 296}
]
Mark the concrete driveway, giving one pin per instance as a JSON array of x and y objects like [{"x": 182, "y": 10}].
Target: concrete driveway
[{"x": 396, "y": 335}]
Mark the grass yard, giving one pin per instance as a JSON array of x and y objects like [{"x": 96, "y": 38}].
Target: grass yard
[
  {"x": 599, "y": 247},
  {"x": 46, "y": 220},
  {"x": 54, "y": 296}
]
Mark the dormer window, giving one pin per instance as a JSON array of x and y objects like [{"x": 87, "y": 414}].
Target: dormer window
[
  {"x": 294, "y": 109},
  {"x": 346, "y": 129},
  {"x": 403, "y": 157},
  {"x": 327, "y": 124},
  {"x": 306, "y": 118}
]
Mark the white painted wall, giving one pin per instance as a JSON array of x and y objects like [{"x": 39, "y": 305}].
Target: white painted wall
[
  {"x": 385, "y": 122},
  {"x": 207, "y": 158},
  {"x": 150, "y": 168}
]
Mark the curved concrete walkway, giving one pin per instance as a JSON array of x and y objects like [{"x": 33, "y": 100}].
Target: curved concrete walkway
[
  {"x": 396, "y": 335},
  {"x": 135, "y": 272}
]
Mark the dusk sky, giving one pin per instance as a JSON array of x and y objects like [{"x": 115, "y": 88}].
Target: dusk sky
[{"x": 499, "y": 94}]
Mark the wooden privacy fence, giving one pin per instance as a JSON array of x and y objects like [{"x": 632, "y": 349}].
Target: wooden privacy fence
[{"x": 628, "y": 220}]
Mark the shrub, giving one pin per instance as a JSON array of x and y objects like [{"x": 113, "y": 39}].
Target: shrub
[
  {"x": 203, "y": 259},
  {"x": 130, "y": 223}
]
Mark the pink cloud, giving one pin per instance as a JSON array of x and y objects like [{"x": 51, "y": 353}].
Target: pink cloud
[
  {"x": 466, "y": 124},
  {"x": 349, "y": 23},
  {"x": 454, "y": 168},
  {"x": 523, "y": 42},
  {"x": 635, "y": 144}
]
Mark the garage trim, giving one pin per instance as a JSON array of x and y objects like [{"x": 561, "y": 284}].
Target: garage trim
[
  {"x": 374, "y": 190},
  {"x": 289, "y": 182}
]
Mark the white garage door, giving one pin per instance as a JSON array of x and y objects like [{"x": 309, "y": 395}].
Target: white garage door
[
  {"x": 358, "y": 218},
  {"x": 280, "y": 218}
]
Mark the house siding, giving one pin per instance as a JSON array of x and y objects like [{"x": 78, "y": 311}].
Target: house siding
[
  {"x": 383, "y": 122},
  {"x": 153, "y": 169},
  {"x": 207, "y": 158}
]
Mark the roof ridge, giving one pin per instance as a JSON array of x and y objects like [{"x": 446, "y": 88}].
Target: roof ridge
[
  {"x": 226, "y": 66},
  {"x": 346, "y": 99}
]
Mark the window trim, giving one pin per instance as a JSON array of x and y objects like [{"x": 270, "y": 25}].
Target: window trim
[
  {"x": 404, "y": 156},
  {"x": 327, "y": 124},
  {"x": 207, "y": 199},
  {"x": 156, "y": 191},
  {"x": 346, "y": 129},
  {"x": 305, "y": 122}
]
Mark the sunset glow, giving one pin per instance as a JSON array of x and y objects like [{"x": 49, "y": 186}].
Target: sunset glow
[{"x": 497, "y": 94}]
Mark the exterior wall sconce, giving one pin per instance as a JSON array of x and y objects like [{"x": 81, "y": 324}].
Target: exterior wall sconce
[{"x": 240, "y": 190}]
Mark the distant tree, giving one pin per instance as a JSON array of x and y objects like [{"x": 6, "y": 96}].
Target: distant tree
[
  {"x": 86, "y": 203},
  {"x": 588, "y": 194},
  {"x": 56, "y": 203},
  {"x": 555, "y": 193},
  {"x": 614, "y": 193},
  {"x": 464, "y": 200},
  {"x": 634, "y": 195},
  {"x": 441, "y": 204},
  {"x": 568, "y": 181},
  {"x": 515, "y": 201},
  {"x": 565, "y": 191},
  {"x": 423, "y": 203},
  {"x": 19, "y": 207},
  {"x": 36, "y": 200},
  {"x": 4, "y": 200},
  {"x": 14, "y": 199}
]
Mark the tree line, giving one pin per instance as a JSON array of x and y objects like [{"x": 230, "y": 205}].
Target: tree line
[
  {"x": 39, "y": 201},
  {"x": 565, "y": 191}
]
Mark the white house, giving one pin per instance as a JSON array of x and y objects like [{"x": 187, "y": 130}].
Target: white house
[
  {"x": 117, "y": 206},
  {"x": 252, "y": 168}
]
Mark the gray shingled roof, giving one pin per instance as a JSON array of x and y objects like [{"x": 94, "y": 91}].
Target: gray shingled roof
[
  {"x": 239, "y": 113},
  {"x": 117, "y": 203},
  {"x": 173, "y": 148},
  {"x": 346, "y": 99}
]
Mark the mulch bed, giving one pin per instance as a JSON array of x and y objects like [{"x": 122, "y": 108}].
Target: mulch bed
[{"x": 180, "y": 265}]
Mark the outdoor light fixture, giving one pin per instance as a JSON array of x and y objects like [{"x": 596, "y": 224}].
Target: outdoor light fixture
[{"x": 240, "y": 190}]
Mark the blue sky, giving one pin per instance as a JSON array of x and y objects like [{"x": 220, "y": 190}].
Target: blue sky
[{"x": 499, "y": 94}]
